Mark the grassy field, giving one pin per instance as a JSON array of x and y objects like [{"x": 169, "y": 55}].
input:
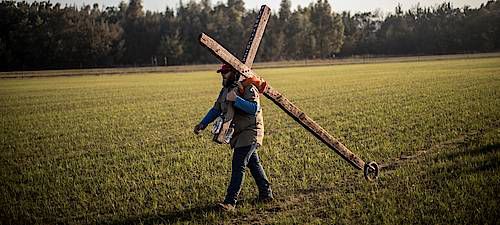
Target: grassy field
[{"x": 120, "y": 149}]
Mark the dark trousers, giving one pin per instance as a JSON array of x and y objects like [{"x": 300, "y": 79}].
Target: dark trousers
[{"x": 246, "y": 157}]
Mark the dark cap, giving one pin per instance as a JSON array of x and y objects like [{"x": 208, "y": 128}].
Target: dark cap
[{"x": 224, "y": 68}]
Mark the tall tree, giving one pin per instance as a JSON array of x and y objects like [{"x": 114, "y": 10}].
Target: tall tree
[
  {"x": 328, "y": 29},
  {"x": 133, "y": 25},
  {"x": 285, "y": 29}
]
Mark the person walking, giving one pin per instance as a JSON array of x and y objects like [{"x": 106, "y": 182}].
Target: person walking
[{"x": 248, "y": 134}]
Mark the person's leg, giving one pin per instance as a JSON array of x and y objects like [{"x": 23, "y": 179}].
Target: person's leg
[
  {"x": 239, "y": 163},
  {"x": 260, "y": 177}
]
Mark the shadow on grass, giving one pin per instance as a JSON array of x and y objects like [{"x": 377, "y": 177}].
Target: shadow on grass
[
  {"x": 182, "y": 216},
  {"x": 191, "y": 214},
  {"x": 471, "y": 160},
  {"x": 316, "y": 190},
  {"x": 482, "y": 150}
]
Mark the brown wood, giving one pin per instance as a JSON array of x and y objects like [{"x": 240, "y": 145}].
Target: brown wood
[
  {"x": 224, "y": 55},
  {"x": 293, "y": 111},
  {"x": 256, "y": 36}
]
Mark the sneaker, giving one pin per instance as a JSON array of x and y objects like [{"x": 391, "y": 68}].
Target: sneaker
[{"x": 226, "y": 207}]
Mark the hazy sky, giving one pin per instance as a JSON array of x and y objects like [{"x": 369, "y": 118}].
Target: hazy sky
[{"x": 338, "y": 5}]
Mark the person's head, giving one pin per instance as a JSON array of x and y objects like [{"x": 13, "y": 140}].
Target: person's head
[{"x": 228, "y": 75}]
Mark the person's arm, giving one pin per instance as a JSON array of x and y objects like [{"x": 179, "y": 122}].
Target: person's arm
[
  {"x": 210, "y": 117},
  {"x": 249, "y": 107}
]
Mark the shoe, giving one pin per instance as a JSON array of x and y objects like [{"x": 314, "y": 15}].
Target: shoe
[
  {"x": 265, "y": 199},
  {"x": 226, "y": 207}
]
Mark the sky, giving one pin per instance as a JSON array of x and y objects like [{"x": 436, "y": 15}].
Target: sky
[{"x": 337, "y": 5}]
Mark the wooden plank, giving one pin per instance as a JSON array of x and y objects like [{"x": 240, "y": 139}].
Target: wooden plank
[
  {"x": 256, "y": 36},
  {"x": 224, "y": 55},
  {"x": 293, "y": 111}
]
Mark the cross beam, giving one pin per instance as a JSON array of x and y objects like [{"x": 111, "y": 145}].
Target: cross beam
[{"x": 370, "y": 169}]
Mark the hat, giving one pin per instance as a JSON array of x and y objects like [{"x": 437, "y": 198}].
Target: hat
[{"x": 224, "y": 68}]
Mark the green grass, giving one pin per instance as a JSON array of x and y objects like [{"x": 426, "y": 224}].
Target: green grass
[{"x": 120, "y": 149}]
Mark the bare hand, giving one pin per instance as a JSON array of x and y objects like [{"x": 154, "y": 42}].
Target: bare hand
[
  {"x": 198, "y": 128},
  {"x": 231, "y": 96}
]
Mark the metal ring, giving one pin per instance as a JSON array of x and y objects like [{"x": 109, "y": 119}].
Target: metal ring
[{"x": 371, "y": 171}]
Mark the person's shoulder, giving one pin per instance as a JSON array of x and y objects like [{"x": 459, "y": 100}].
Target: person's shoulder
[{"x": 251, "y": 90}]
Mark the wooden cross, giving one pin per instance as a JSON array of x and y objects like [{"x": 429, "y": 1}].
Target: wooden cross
[{"x": 371, "y": 169}]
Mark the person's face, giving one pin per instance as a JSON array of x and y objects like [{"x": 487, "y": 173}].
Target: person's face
[{"x": 227, "y": 78}]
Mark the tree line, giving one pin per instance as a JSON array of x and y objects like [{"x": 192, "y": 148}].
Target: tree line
[{"x": 43, "y": 35}]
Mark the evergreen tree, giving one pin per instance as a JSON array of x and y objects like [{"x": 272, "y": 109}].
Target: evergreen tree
[
  {"x": 328, "y": 29},
  {"x": 133, "y": 25}
]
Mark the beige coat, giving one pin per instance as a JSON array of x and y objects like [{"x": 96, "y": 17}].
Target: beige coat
[{"x": 248, "y": 129}]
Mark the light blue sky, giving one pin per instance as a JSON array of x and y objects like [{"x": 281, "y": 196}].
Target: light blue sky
[{"x": 338, "y": 5}]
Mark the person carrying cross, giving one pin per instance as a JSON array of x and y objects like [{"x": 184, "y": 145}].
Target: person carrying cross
[{"x": 247, "y": 137}]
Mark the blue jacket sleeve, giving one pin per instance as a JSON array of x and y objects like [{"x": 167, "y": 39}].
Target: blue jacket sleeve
[
  {"x": 249, "y": 107},
  {"x": 210, "y": 117}
]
